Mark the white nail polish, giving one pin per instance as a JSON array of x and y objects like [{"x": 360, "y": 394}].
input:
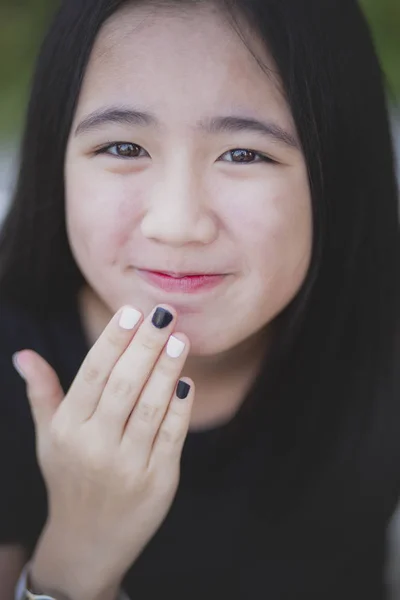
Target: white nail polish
[
  {"x": 175, "y": 347},
  {"x": 129, "y": 318}
]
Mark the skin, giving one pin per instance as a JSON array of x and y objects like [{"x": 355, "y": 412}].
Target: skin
[
  {"x": 110, "y": 449},
  {"x": 181, "y": 202}
]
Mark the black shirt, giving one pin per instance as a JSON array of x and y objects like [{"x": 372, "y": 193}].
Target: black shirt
[{"x": 222, "y": 537}]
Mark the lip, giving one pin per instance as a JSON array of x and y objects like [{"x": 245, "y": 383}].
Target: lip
[{"x": 187, "y": 284}]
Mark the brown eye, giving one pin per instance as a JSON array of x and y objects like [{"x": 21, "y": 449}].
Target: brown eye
[
  {"x": 122, "y": 150},
  {"x": 243, "y": 155},
  {"x": 127, "y": 150}
]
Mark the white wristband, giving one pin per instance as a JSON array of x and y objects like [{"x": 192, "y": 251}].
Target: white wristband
[
  {"x": 22, "y": 592},
  {"x": 21, "y": 589}
]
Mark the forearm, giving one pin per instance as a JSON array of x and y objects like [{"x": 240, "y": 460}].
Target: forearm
[{"x": 68, "y": 572}]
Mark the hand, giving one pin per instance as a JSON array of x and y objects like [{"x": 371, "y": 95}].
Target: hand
[{"x": 110, "y": 449}]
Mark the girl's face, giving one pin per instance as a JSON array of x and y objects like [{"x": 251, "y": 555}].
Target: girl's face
[{"x": 183, "y": 157}]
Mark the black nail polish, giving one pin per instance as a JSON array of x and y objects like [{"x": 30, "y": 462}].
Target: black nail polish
[
  {"x": 182, "y": 389},
  {"x": 162, "y": 318}
]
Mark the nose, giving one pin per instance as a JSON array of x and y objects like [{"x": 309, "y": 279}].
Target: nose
[{"x": 178, "y": 212}]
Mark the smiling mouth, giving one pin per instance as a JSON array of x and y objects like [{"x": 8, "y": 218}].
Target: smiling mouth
[
  {"x": 182, "y": 283},
  {"x": 180, "y": 275}
]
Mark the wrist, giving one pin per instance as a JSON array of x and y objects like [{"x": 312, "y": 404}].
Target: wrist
[
  {"x": 34, "y": 588},
  {"x": 65, "y": 572},
  {"x": 71, "y": 590}
]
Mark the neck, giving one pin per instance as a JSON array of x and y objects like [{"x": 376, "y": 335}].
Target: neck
[{"x": 222, "y": 381}]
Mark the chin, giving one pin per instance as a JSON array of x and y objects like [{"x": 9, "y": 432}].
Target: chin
[{"x": 206, "y": 346}]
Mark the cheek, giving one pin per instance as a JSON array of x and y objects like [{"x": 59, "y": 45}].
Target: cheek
[
  {"x": 275, "y": 231},
  {"x": 274, "y": 224},
  {"x": 101, "y": 212}
]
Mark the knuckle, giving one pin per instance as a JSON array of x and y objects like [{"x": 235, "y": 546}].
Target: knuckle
[
  {"x": 168, "y": 367},
  {"x": 172, "y": 437},
  {"x": 122, "y": 387},
  {"x": 91, "y": 373},
  {"x": 147, "y": 412},
  {"x": 115, "y": 337},
  {"x": 94, "y": 460},
  {"x": 178, "y": 409},
  {"x": 133, "y": 483},
  {"x": 150, "y": 342},
  {"x": 92, "y": 451}
]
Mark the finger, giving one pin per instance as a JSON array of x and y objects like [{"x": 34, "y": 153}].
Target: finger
[
  {"x": 132, "y": 370},
  {"x": 171, "y": 436},
  {"x": 88, "y": 385},
  {"x": 149, "y": 411},
  {"x": 44, "y": 390}
]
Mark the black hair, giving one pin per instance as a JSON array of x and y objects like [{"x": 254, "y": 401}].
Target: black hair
[{"x": 334, "y": 352}]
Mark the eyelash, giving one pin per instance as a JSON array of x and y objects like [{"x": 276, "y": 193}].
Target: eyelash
[{"x": 262, "y": 157}]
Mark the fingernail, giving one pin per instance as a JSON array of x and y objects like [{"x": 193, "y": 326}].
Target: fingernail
[
  {"x": 129, "y": 318},
  {"x": 161, "y": 318},
  {"x": 182, "y": 389},
  {"x": 16, "y": 365},
  {"x": 175, "y": 347}
]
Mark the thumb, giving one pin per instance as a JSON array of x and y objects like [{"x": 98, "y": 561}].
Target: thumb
[{"x": 44, "y": 390}]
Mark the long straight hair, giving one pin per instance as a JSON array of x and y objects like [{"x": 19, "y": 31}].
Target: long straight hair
[{"x": 334, "y": 354}]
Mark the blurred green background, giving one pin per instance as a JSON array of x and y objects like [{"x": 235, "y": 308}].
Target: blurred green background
[{"x": 22, "y": 23}]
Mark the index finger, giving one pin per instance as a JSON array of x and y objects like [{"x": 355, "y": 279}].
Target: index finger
[{"x": 84, "y": 394}]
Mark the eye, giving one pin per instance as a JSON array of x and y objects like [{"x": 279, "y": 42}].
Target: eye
[
  {"x": 122, "y": 150},
  {"x": 130, "y": 150},
  {"x": 243, "y": 155}
]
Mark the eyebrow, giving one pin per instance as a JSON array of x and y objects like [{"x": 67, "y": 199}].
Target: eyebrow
[{"x": 215, "y": 125}]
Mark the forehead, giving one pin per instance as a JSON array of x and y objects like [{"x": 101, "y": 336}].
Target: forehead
[{"x": 156, "y": 55}]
